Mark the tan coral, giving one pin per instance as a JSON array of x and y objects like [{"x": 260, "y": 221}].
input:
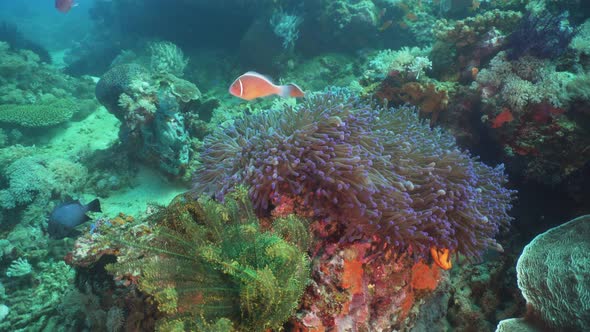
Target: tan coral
[
  {"x": 426, "y": 97},
  {"x": 182, "y": 89}
]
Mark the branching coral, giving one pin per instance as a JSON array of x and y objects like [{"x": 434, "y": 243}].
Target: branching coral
[
  {"x": 27, "y": 179},
  {"x": 411, "y": 62},
  {"x": 39, "y": 178},
  {"x": 286, "y": 26},
  {"x": 18, "y": 268},
  {"x": 522, "y": 82},
  {"x": 378, "y": 171}
]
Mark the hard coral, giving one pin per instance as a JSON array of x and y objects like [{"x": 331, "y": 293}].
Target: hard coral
[
  {"x": 468, "y": 32},
  {"x": 43, "y": 114},
  {"x": 381, "y": 171},
  {"x": 115, "y": 82},
  {"x": 152, "y": 110},
  {"x": 427, "y": 97},
  {"x": 558, "y": 293}
]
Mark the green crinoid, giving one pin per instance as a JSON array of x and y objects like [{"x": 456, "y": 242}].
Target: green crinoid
[{"x": 211, "y": 266}]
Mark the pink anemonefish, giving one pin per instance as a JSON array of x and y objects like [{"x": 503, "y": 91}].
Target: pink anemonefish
[
  {"x": 64, "y": 6},
  {"x": 252, "y": 85}
]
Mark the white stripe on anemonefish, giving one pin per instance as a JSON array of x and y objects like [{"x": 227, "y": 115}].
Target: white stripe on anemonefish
[{"x": 241, "y": 87}]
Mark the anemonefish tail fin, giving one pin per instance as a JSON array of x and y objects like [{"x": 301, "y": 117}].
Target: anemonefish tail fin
[
  {"x": 94, "y": 206},
  {"x": 291, "y": 90}
]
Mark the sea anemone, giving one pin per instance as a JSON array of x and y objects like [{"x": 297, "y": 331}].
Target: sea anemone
[{"x": 382, "y": 173}]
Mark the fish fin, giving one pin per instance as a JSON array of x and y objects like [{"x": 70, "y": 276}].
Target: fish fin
[
  {"x": 291, "y": 90},
  {"x": 94, "y": 206},
  {"x": 253, "y": 73}
]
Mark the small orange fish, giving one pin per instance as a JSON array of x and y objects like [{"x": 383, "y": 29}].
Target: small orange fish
[
  {"x": 441, "y": 258},
  {"x": 474, "y": 72},
  {"x": 252, "y": 85}
]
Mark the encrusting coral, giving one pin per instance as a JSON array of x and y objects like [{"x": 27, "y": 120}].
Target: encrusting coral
[{"x": 380, "y": 173}]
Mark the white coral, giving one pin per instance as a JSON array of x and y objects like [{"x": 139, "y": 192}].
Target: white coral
[
  {"x": 525, "y": 81},
  {"x": 406, "y": 60},
  {"x": 419, "y": 66},
  {"x": 166, "y": 57},
  {"x": 286, "y": 26},
  {"x": 518, "y": 93},
  {"x": 18, "y": 268},
  {"x": 581, "y": 41}
]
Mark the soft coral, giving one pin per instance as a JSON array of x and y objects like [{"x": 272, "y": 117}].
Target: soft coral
[{"x": 545, "y": 36}]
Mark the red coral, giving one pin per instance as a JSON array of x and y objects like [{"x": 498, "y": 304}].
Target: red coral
[
  {"x": 502, "y": 118},
  {"x": 425, "y": 277}
]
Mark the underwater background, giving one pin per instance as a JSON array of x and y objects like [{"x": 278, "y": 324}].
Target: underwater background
[{"x": 315, "y": 165}]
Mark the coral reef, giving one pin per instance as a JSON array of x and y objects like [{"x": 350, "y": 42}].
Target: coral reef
[
  {"x": 34, "y": 94},
  {"x": 431, "y": 97},
  {"x": 40, "y": 178},
  {"x": 10, "y": 34},
  {"x": 167, "y": 58},
  {"x": 205, "y": 263},
  {"x": 151, "y": 106},
  {"x": 521, "y": 83},
  {"x": 484, "y": 293},
  {"x": 468, "y": 32},
  {"x": 527, "y": 103},
  {"x": 409, "y": 62},
  {"x": 36, "y": 307},
  {"x": 542, "y": 35},
  {"x": 348, "y": 23},
  {"x": 19, "y": 268},
  {"x": 465, "y": 44},
  {"x": 286, "y": 26},
  {"x": 351, "y": 290},
  {"x": 380, "y": 170},
  {"x": 355, "y": 216}
]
